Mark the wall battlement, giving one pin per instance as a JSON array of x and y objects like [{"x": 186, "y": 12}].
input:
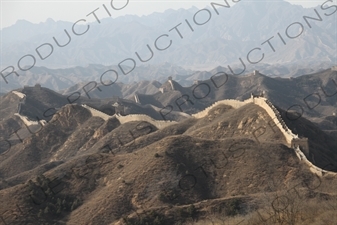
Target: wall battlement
[
  {"x": 292, "y": 139},
  {"x": 276, "y": 117}
]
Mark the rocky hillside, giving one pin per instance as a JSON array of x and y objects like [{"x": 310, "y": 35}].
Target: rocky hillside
[{"x": 82, "y": 169}]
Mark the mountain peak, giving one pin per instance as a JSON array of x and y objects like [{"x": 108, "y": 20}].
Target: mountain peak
[{"x": 50, "y": 20}]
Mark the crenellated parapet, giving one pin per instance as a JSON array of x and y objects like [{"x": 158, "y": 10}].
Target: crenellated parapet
[
  {"x": 276, "y": 117},
  {"x": 292, "y": 139},
  {"x": 300, "y": 145}
]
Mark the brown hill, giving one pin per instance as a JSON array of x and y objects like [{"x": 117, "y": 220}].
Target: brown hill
[{"x": 80, "y": 169}]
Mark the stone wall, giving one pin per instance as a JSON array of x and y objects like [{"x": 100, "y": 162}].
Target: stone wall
[
  {"x": 160, "y": 124},
  {"x": 137, "y": 99},
  {"x": 303, "y": 143},
  {"x": 276, "y": 117},
  {"x": 29, "y": 122},
  {"x": 172, "y": 86},
  {"x": 292, "y": 139},
  {"x": 129, "y": 118},
  {"x": 314, "y": 169},
  {"x": 19, "y": 94},
  {"x": 263, "y": 103},
  {"x": 95, "y": 112},
  {"x": 231, "y": 102}
]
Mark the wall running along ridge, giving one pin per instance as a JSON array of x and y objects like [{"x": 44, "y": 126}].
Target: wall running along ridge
[
  {"x": 231, "y": 102},
  {"x": 95, "y": 112},
  {"x": 160, "y": 124},
  {"x": 314, "y": 169},
  {"x": 30, "y": 122},
  {"x": 19, "y": 94},
  {"x": 25, "y": 119},
  {"x": 170, "y": 81},
  {"x": 260, "y": 101},
  {"x": 276, "y": 117}
]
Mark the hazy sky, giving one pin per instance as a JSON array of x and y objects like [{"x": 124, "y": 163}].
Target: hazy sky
[{"x": 37, "y": 11}]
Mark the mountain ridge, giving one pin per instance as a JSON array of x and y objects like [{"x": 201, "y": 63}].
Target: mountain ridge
[
  {"x": 107, "y": 182},
  {"x": 225, "y": 46}
]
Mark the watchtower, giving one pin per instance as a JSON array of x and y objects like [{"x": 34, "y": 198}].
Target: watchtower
[
  {"x": 303, "y": 143},
  {"x": 256, "y": 72}
]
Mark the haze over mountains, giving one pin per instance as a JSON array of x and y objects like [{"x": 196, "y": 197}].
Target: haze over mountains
[
  {"x": 63, "y": 79},
  {"x": 221, "y": 41},
  {"x": 189, "y": 137},
  {"x": 227, "y": 37}
]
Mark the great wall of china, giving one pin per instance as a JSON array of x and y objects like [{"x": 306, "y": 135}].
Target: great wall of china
[
  {"x": 276, "y": 117},
  {"x": 260, "y": 101},
  {"x": 231, "y": 102},
  {"x": 30, "y": 122},
  {"x": 160, "y": 124},
  {"x": 25, "y": 119}
]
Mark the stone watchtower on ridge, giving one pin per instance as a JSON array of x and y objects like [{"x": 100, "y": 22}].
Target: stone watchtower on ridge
[{"x": 303, "y": 143}]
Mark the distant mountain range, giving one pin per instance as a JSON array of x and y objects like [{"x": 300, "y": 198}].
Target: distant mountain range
[
  {"x": 66, "y": 80},
  {"x": 317, "y": 91},
  {"x": 221, "y": 41},
  {"x": 192, "y": 136}
]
